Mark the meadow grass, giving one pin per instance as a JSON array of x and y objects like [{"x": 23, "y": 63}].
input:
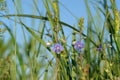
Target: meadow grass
[{"x": 90, "y": 52}]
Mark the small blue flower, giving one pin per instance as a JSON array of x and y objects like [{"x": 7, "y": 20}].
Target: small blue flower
[
  {"x": 99, "y": 48},
  {"x": 78, "y": 46},
  {"x": 58, "y": 48}
]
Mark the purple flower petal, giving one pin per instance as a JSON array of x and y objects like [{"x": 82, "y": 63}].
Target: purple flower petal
[{"x": 99, "y": 47}]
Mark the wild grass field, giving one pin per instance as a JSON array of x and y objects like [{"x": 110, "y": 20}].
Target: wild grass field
[{"x": 36, "y": 43}]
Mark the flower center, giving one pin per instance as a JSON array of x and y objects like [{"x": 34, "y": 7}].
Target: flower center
[
  {"x": 78, "y": 45},
  {"x": 58, "y": 48}
]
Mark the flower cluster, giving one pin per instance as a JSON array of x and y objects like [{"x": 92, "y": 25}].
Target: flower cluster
[
  {"x": 78, "y": 46},
  {"x": 58, "y": 48}
]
